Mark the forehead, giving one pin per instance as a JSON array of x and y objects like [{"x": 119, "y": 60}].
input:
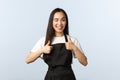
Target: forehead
[{"x": 59, "y": 15}]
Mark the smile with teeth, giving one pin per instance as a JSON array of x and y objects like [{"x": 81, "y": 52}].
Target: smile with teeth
[{"x": 59, "y": 27}]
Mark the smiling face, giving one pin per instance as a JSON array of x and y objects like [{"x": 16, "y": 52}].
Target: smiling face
[{"x": 59, "y": 23}]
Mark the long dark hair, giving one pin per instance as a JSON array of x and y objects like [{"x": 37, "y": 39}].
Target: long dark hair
[{"x": 50, "y": 31}]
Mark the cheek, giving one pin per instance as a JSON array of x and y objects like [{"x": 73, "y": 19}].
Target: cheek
[
  {"x": 64, "y": 24},
  {"x": 54, "y": 24}
]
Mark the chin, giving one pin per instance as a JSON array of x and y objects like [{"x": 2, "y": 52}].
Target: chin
[{"x": 60, "y": 31}]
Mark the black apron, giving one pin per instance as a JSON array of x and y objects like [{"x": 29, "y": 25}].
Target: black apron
[{"x": 59, "y": 63}]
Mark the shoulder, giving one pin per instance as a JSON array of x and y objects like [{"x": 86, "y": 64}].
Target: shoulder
[
  {"x": 76, "y": 42},
  {"x": 74, "y": 39},
  {"x": 42, "y": 39},
  {"x": 39, "y": 44}
]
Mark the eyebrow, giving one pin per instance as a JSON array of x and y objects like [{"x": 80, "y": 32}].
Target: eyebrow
[{"x": 57, "y": 18}]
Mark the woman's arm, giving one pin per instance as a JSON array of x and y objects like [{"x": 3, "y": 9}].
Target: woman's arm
[
  {"x": 32, "y": 56},
  {"x": 78, "y": 54}
]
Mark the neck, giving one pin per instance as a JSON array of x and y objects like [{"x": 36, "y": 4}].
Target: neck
[{"x": 59, "y": 34}]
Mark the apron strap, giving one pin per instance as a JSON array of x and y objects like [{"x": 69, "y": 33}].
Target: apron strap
[{"x": 66, "y": 39}]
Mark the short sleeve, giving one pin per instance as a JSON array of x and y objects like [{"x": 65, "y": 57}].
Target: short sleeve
[
  {"x": 76, "y": 42},
  {"x": 38, "y": 45}
]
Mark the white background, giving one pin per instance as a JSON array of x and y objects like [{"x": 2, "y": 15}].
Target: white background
[{"x": 95, "y": 23}]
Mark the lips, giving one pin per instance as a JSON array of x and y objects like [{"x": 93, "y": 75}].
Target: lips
[{"x": 59, "y": 28}]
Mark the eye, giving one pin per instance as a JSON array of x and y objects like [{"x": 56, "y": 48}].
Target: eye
[
  {"x": 55, "y": 19},
  {"x": 63, "y": 19}
]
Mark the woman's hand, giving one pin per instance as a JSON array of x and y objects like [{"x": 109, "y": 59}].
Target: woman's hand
[
  {"x": 47, "y": 48},
  {"x": 81, "y": 57},
  {"x": 69, "y": 45}
]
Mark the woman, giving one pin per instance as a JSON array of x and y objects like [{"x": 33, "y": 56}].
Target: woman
[{"x": 58, "y": 48}]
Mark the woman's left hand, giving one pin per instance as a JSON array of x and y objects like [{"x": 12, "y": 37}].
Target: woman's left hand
[{"x": 69, "y": 45}]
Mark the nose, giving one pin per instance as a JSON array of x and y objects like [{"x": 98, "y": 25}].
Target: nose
[{"x": 59, "y": 22}]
